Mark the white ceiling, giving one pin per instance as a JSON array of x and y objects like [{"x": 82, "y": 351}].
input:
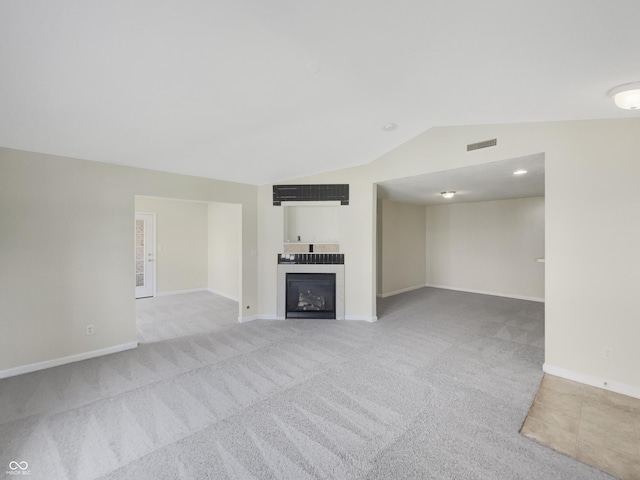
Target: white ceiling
[
  {"x": 477, "y": 183},
  {"x": 222, "y": 89}
]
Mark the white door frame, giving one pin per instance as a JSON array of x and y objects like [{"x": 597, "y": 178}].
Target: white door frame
[{"x": 149, "y": 256}]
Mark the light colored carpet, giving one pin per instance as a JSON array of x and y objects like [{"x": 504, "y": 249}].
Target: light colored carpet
[
  {"x": 434, "y": 390},
  {"x": 173, "y": 316}
]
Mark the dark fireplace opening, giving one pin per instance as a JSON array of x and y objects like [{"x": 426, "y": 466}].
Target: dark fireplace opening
[{"x": 311, "y": 295}]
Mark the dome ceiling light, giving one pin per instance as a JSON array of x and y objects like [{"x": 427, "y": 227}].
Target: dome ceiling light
[{"x": 626, "y": 96}]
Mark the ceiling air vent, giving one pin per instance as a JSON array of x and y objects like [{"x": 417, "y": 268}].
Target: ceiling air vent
[{"x": 487, "y": 143}]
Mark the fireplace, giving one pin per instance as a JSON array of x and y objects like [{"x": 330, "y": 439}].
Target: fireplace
[
  {"x": 311, "y": 295},
  {"x": 314, "y": 275}
]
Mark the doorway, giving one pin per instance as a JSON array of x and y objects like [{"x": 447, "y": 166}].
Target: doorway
[
  {"x": 197, "y": 259},
  {"x": 487, "y": 238},
  {"x": 145, "y": 265}
]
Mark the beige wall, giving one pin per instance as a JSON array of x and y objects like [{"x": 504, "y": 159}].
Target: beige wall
[
  {"x": 225, "y": 238},
  {"x": 66, "y": 255},
  {"x": 181, "y": 243},
  {"x": 402, "y": 246},
  {"x": 487, "y": 247},
  {"x": 592, "y": 254},
  {"x": 591, "y": 236},
  {"x": 313, "y": 224},
  {"x": 65, "y": 242}
]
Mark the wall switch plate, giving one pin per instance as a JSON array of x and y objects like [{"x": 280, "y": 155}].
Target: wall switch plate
[
  {"x": 607, "y": 353},
  {"x": 89, "y": 329}
]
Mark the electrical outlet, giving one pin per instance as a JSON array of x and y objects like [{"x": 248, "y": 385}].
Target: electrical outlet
[
  {"x": 607, "y": 353},
  {"x": 89, "y": 329}
]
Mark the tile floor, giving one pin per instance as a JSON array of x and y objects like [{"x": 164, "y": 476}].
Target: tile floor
[{"x": 596, "y": 426}]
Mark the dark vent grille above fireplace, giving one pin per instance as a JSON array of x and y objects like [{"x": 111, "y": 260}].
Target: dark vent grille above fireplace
[
  {"x": 311, "y": 193},
  {"x": 311, "y": 258}
]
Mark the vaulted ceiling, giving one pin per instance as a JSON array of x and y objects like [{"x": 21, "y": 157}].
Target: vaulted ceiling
[{"x": 258, "y": 91}]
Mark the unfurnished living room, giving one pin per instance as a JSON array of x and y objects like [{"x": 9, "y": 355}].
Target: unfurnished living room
[{"x": 319, "y": 240}]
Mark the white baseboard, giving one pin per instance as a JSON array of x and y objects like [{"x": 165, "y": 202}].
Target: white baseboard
[
  {"x": 484, "y": 292},
  {"x": 361, "y": 318},
  {"x": 249, "y": 318},
  {"x": 180, "y": 292},
  {"x": 614, "y": 386},
  {"x": 270, "y": 317},
  {"x": 222, "y": 294},
  {"x": 402, "y": 290},
  {"x": 33, "y": 367}
]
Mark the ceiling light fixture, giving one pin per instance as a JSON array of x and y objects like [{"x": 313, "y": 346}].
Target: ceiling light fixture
[
  {"x": 626, "y": 96},
  {"x": 520, "y": 172},
  {"x": 389, "y": 127},
  {"x": 312, "y": 67},
  {"x": 448, "y": 194}
]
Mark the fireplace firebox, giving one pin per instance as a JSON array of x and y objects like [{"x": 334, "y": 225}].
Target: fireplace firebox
[{"x": 311, "y": 295}]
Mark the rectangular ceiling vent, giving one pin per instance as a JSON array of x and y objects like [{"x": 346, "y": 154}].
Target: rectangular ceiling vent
[{"x": 477, "y": 146}]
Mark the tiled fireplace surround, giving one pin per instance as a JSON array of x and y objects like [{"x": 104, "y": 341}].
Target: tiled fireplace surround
[{"x": 284, "y": 268}]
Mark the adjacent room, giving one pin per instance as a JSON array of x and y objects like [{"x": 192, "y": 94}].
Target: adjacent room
[
  {"x": 188, "y": 265},
  {"x": 476, "y": 229}
]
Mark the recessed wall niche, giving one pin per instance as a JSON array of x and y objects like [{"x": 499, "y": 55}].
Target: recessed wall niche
[{"x": 311, "y": 224}]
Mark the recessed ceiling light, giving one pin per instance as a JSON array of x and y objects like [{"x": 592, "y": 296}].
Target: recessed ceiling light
[
  {"x": 448, "y": 194},
  {"x": 389, "y": 127},
  {"x": 626, "y": 96},
  {"x": 520, "y": 172},
  {"x": 313, "y": 67}
]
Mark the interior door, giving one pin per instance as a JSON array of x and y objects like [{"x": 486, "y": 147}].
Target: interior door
[{"x": 145, "y": 255}]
